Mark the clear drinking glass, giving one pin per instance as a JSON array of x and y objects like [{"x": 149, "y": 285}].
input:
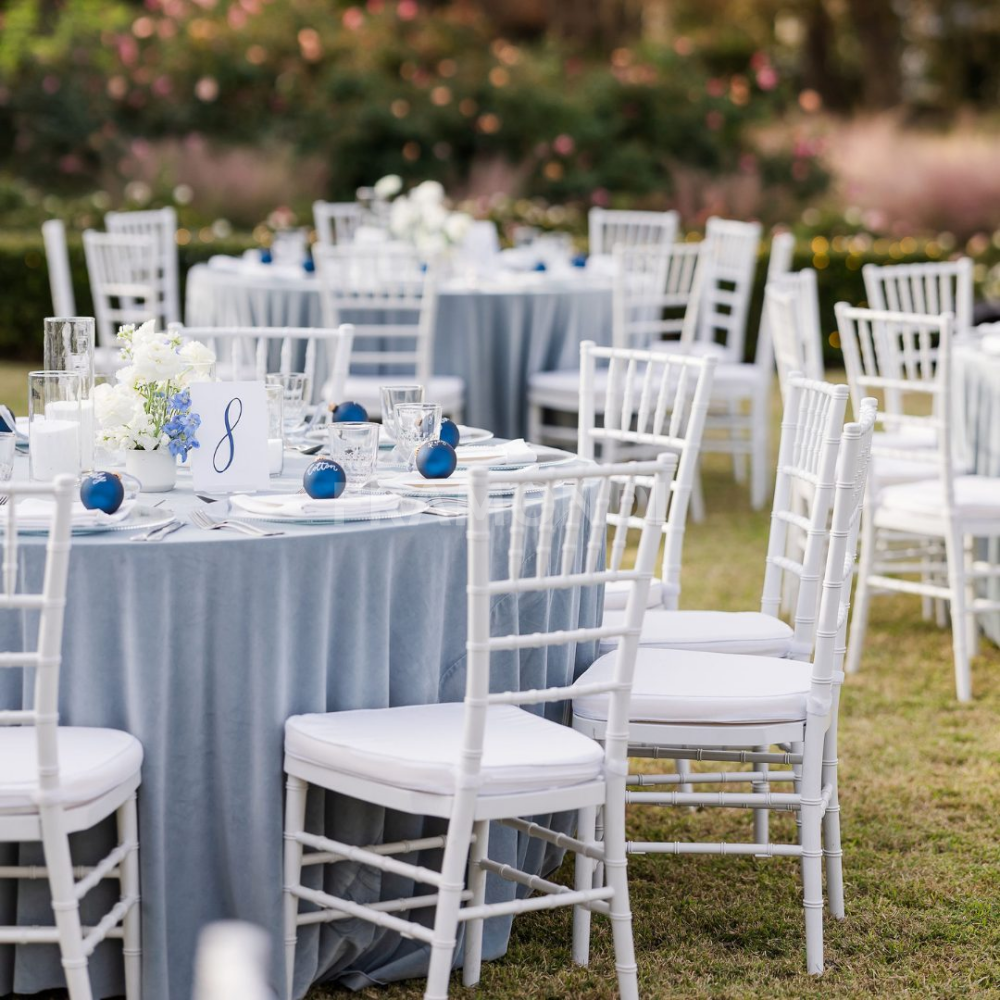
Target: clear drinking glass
[
  {"x": 296, "y": 389},
  {"x": 354, "y": 446},
  {"x": 415, "y": 424},
  {"x": 54, "y": 424},
  {"x": 275, "y": 428},
  {"x": 392, "y": 396},
  {"x": 8, "y": 445},
  {"x": 69, "y": 347}
]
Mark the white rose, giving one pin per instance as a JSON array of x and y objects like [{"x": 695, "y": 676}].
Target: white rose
[
  {"x": 156, "y": 361},
  {"x": 433, "y": 218},
  {"x": 402, "y": 216},
  {"x": 198, "y": 360},
  {"x": 388, "y": 186},
  {"x": 116, "y": 405},
  {"x": 126, "y": 376},
  {"x": 428, "y": 193},
  {"x": 457, "y": 226}
]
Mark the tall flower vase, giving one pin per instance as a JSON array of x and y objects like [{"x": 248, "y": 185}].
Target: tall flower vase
[{"x": 156, "y": 470}]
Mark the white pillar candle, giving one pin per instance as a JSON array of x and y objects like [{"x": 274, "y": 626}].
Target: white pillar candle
[
  {"x": 275, "y": 455},
  {"x": 84, "y": 414},
  {"x": 54, "y": 447}
]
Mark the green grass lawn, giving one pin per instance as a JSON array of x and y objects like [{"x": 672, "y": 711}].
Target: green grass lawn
[
  {"x": 920, "y": 802},
  {"x": 14, "y": 385}
]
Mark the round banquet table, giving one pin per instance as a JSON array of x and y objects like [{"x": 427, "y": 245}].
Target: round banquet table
[
  {"x": 494, "y": 333},
  {"x": 202, "y": 645},
  {"x": 977, "y": 389}
]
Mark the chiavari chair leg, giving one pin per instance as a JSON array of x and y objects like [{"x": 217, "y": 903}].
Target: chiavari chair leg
[
  {"x": 456, "y": 854},
  {"x": 65, "y": 905},
  {"x": 295, "y": 822},
  {"x": 761, "y": 816},
  {"x": 972, "y": 628},
  {"x": 473, "y": 957},
  {"x": 955, "y": 554},
  {"x": 759, "y": 466},
  {"x": 812, "y": 859},
  {"x": 862, "y": 596},
  {"x": 833, "y": 854},
  {"x": 128, "y": 831},
  {"x": 616, "y": 874},
  {"x": 583, "y": 879}
]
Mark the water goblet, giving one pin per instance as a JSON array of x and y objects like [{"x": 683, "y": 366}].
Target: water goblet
[
  {"x": 415, "y": 424},
  {"x": 354, "y": 446},
  {"x": 392, "y": 396}
]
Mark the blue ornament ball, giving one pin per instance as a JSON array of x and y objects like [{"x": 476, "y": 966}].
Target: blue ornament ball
[
  {"x": 436, "y": 460},
  {"x": 102, "y": 491},
  {"x": 324, "y": 480},
  {"x": 349, "y": 412},
  {"x": 265, "y": 257},
  {"x": 308, "y": 266},
  {"x": 580, "y": 260},
  {"x": 450, "y": 433},
  {"x": 540, "y": 266}
]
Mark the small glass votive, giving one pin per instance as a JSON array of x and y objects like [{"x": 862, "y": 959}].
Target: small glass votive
[
  {"x": 55, "y": 431},
  {"x": 69, "y": 347},
  {"x": 296, "y": 389},
  {"x": 275, "y": 428},
  {"x": 8, "y": 448},
  {"x": 354, "y": 446},
  {"x": 416, "y": 423}
]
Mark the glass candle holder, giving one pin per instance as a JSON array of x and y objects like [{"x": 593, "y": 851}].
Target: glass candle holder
[
  {"x": 296, "y": 388},
  {"x": 275, "y": 428},
  {"x": 54, "y": 424},
  {"x": 69, "y": 347}
]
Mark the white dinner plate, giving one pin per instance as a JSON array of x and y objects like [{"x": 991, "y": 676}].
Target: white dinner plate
[
  {"x": 407, "y": 508},
  {"x": 412, "y": 484},
  {"x": 139, "y": 518}
]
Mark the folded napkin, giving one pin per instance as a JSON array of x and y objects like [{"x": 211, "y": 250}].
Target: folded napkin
[
  {"x": 517, "y": 452},
  {"x": 299, "y": 505},
  {"x": 36, "y": 512}
]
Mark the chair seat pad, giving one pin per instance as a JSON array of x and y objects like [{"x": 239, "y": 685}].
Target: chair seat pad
[
  {"x": 975, "y": 497},
  {"x": 448, "y": 390},
  {"x": 748, "y": 632},
  {"x": 418, "y": 747},
  {"x": 560, "y": 390},
  {"x": 739, "y": 377},
  {"x": 887, "y": 469},
  {"x": 616, "y": 594},
  {"x": 92, "y": 762},
  {"x": 710, "y": 688}
]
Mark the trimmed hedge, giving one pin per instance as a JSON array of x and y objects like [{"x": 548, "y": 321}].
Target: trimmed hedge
[{"x": 25, "y": 299}]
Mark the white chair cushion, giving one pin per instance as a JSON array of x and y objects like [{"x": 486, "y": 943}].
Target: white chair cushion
[
  {"x": 560, "y": 390},
  {"x": 448, "y": 390},
  {"x": 737, "y": 379},
  {"x": 906, "y": 437},
  {"x": 712, "y": 688},
  {"x": 975, "y": 497},
  {"x": 92, "y": 762},
  {"x": 418, "y": 747},
  {"x": 887, "y": 470},
  {"x": 749, "y": 632},
  {"x": 616, "y": 595}
]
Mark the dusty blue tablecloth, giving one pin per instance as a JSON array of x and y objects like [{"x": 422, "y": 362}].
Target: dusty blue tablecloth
[
  {"x": 493, "y": 337},
  {"x": 977, "y": 390},
  {"x": 201, "y": 646}
]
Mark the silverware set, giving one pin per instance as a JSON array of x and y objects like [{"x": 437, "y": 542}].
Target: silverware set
[{"x": 202, "y": 519}]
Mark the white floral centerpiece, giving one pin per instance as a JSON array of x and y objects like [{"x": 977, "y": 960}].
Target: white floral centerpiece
[
  {"x": 147, "y": 412},
  {"x": 421, "y": 216}
]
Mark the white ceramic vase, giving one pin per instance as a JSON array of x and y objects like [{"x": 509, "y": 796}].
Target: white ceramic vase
[{"x": 156, "y": 470}]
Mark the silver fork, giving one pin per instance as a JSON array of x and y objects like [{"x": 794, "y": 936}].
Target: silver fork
[{"x": 202, "y": 520}]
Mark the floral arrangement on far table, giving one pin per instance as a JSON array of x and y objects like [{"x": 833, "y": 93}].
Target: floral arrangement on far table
[
  {"x": 421, "y": 216},
  {"x": 149, "y": 406}
]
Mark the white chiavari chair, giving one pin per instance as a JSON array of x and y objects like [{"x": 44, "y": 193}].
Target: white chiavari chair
[
  {"x": 810, "y": 437},
  {"x": 336, "y": 221},
  {"x": 739, "y": 420},
  {"x": 489, "y": 759},
  {"x": 124, "y": 285},
  {"x": 791, "y": 317},
  {"x": 390, "y": 298},
  {"x": 610, "y": 228},
  {"x": 651, "y": 293},
  {"x": 927, "y": 289},
  {"x": 713, "y": 706},
  {"x": 910, "y": 356},
  {"x": 161, "y": 225},
  {"x": 252, "y": 352},
  {"x": 58, "y": 780},
  {"x": 652, "y": 402},
  {"x": 60, "y": 274}
]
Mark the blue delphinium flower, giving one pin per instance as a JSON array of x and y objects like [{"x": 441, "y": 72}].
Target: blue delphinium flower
[{"x": 182, "y": 425}]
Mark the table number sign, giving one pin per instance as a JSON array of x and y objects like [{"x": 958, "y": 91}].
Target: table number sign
[{"x": 232, "y": 439}]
